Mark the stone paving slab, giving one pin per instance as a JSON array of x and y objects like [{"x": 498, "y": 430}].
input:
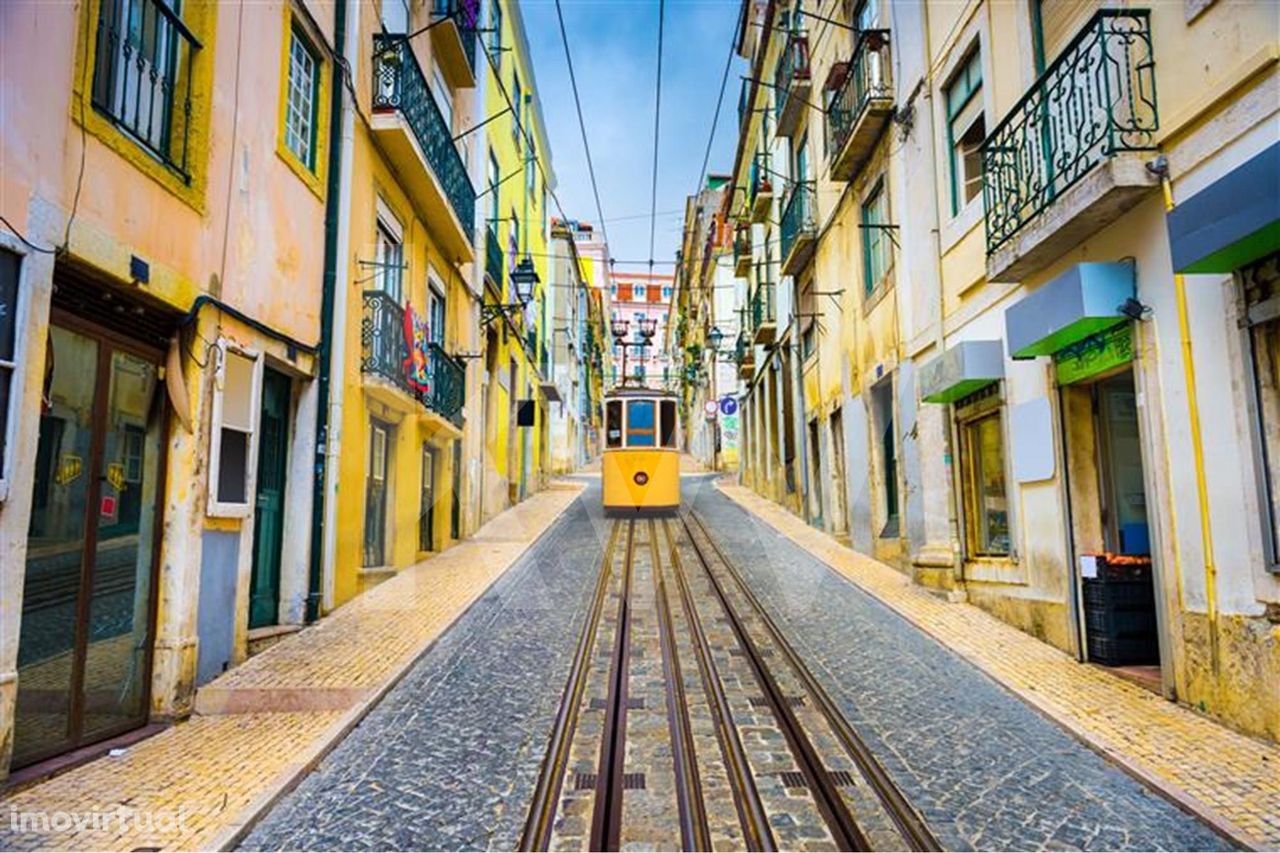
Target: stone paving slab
[
  {"x": 200, "y": 783},
  {"x": 1228, "y": 779}
]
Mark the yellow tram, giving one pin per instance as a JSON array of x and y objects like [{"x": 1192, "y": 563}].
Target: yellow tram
[{"x": 641, "y": 465}]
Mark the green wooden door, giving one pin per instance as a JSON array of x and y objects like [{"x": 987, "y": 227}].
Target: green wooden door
[{"x": 268, "y": 527}]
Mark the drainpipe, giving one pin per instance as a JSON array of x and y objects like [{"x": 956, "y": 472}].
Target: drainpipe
[
  {"x": 333, "y": 314},
  {"x": 1197, "y": 450}
]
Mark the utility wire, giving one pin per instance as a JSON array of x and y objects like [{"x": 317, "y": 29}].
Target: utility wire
[
  {"x": 582, "y": 125},
  {"x": 657, "y": 124},
  {"x": 724, "y": 82}
]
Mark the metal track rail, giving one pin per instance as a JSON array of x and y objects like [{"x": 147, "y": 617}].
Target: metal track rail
[
  {"x": 908, "y": 821},
  {"x": 537, "y": 829},
  {"x": 844, "y": 829},
  {"x": 751, "y": 811},
  {"x": 606, "y": 817},
  {"x": 694, "y": 833}
]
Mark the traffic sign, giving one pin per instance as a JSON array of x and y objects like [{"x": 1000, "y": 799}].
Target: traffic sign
[
  {"x": 710, "y": 408},
  {"x": 728, "y": 405}
]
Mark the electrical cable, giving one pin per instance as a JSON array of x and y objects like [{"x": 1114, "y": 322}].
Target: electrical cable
[
  {"x": 582, "y": 125},
  {"x": 657, "y": 125}
]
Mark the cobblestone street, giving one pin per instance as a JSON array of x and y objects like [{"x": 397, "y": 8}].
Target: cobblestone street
[{"x": 457, "y": 754}]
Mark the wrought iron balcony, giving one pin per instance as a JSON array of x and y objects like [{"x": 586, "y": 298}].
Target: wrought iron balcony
[
  {"x": 742, "y": 250},
  {"x": 1096, "y": 100},
  {"x": 764, "y": 320},
  {"x": 761, "y": 181},
  {"x": 400, "y": 87},
  {"x": 798, "y": 228},
  {"x": 142, "y": 77},
  {"x": 791, "y": 83},
  {"x": 744, "y": 102},
  {"x": 861, "y": 105},
  {"x": 385, "y": 353},
  {"x": 464, "y": 16},
  {"x": 493, "y": 258}
]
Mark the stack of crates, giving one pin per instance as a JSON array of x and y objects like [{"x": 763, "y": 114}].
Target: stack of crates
[{"x": 1120, "y": 615}]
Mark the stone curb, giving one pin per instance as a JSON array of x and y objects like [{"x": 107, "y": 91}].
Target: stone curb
[
  {"x": 1171, "y": 792},
  {"x": 235, "y": 830}
]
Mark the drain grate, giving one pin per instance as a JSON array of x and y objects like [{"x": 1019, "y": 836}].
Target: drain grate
[
  {"x": 795, "y": 701},
  {"x": 793, "y": 779},
  {"x": 584, "y": 781},
  {"x": 598, "y": 704},
  {"x": 841, "y": 778},
  {"x": 633, "y": 781},
  {"x": 635, "y": 703},
  {"x": 758, "y": 701}
]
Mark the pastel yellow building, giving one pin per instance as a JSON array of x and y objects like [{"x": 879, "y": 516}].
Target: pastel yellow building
[{"x": 1010, "y": 267}]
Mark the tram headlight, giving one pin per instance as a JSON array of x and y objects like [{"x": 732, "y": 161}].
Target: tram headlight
[{"x": 641, "y": 478}]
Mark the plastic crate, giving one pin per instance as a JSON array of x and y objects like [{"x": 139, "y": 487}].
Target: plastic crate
[
  {"x": 1132, "y": 594},
  {"x": 1118, "y": 624},
  {"x": 1123, "y": 651}
]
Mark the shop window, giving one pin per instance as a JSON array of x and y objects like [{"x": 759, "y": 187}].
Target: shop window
[
  {"x": 982, "y": 472},
  {"x": 1262, "y": 296},
  {"x": 302, "y": 101},
  {"x": 613, "y": 423},
  {"x": 235, "y": 416},
  {"x": 668, "y": 423},
  {"x": 642, "y": 430},
  {"x": 10, "y": 265},
  {"x": 966, "y": 129}
]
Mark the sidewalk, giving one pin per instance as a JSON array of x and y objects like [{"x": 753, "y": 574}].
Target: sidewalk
[
  {"x": 1229, "y": 780},
  {"x": 259, "y": 728}
]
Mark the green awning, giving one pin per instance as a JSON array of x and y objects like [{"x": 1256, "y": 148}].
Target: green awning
[
  {"x": 962, "y": 369},
  {"x": 1232, "y": 222},
  {"x": 1083, "y": 301}
]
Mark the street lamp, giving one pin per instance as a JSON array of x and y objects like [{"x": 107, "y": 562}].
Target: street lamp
[
  {"x": 523, "y": 280},
  {"x": 648, "y": 327},
  {"x": 618, "y": 328},
  {"x": 715, "y": 337}
]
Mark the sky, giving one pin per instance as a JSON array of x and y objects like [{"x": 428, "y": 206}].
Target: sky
[{"x": 615, "y": 53}]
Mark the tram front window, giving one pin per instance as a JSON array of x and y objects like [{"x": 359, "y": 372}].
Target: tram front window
[
  {"x": 668, "y": 423},
  {"x": 642, "y": 429},
  {"x": 613, "y": 423}
]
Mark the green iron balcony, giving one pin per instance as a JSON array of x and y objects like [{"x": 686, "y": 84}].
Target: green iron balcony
[
  {"x": 798, "y": 228},
  {"x": 385, "y": 353},
  {"x": 493, "y": 258},
  {"x": 1096, "y": 101},
  {"x": 764, "y": 320},
  {"x": 791, "y": 83},
  {"x": 761, "y": 186},
  {"x": 861, "y": 105},
  {"x": 411, "y": 129}
]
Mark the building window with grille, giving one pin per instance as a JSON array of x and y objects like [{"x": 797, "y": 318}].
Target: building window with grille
[
  {"x": 517, "y": 105},
  {"x": 982, "y": 474},
  {"x": 302, "y": 101},
  {"x": 10, "y": 266},
  {"x": 142, "y": 75},
  {"x": 966, "y": 129},
  {"x": 877, "y": 249},
  {"x": 637, "y": 293}
]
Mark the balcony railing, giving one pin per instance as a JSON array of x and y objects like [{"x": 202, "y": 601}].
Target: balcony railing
[
  {"x": 400, "y": 85},
  {"x": 385, "y": 353},
  {"x": 465, "y": 15},
  {"x": 762, "y": 305},
  {"x": 792, "y": 69},
  {"x": 744, "y": 101},
  {"x": 742, "y": 250},
  {"x": 142, "y": 76},
  {"x": 867, "y": 79},
  {"x": 797, "y": 223},
  {"x": 1096, "y": 99},
  {"x": 493, "y": 258},
  {"x": 761, "y": 187}
]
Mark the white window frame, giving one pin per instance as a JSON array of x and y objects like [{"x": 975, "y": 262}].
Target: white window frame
[
  {"x": 228, "y": 509},
  {"x": 444, "y": 94},
  {"x": 21, "y": 355},
  {"x": 309, "y": 157}
]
